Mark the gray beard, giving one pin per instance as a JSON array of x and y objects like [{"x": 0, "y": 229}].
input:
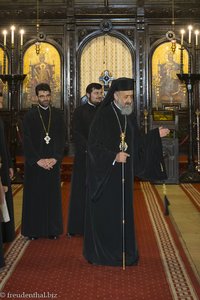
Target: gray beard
[{"x": 127, "y": 110}]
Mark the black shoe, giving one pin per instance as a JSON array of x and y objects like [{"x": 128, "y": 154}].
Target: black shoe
[
  {"x": 53, "y": 237},
  {"x": 32, "y": 238},
  {"x": 92, "y": 263}
]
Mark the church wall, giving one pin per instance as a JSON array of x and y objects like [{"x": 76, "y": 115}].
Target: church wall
[{"x": 69, "y": 25}]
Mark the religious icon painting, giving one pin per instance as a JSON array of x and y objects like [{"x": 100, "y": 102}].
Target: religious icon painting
[
  {"x": 167, "y": 89},
  {"x": 4, "y": 85},
  {"x": 43, "y": 67}
]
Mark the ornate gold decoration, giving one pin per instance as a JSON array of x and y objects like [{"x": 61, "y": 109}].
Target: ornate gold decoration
[
  {"x": 37, "y": 43},
  {"x": 45, "y": 67},
  {"x": 166, "y": 87}
]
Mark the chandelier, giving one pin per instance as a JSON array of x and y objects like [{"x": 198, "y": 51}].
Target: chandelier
[
  {"x": 37, "y": 43},
  {"x": 170, "y": 35}
]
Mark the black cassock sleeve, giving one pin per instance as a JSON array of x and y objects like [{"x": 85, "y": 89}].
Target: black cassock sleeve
[
  {"x": 100, "y": 158},
  {"x": 148, "y": 156},
  {"x": 148, "y": 162},
  {"x": 31, "y": 154},
  {"x": 78, "y": 135}
]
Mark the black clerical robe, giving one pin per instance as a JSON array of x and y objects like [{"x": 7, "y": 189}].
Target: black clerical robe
[
  {"x": 82, "y": 118},
  {"x": 42, "y": 212},
  {"x": 1, "y": 241},
  {"x": 8, "y": 228},
  {"x": 103, "y": 226}
]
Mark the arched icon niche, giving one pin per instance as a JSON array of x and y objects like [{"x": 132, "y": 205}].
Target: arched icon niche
[
  {"x": 104, "y": 53},
  {"x": 44, "y": 67},
  {"x": 167, "y": 89}
]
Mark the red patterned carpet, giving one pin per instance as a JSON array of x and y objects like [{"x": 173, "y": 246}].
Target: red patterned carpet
[{"x": 55, "y": 269}]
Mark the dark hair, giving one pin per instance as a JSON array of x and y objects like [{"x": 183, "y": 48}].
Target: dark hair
[
  {"x": 93, "y": 86},
  {"x": 42, "y": 87},
  {"x": 1, "y": 94}
]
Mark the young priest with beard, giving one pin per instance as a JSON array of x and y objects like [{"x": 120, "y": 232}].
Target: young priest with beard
[
  {"x": 115, "y": 143},
  {"x": 44, "y": 141}
]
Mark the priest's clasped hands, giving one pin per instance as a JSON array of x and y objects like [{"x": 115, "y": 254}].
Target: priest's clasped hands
[{"x": 47, "y": 163}]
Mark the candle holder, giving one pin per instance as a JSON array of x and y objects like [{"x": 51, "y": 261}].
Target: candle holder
[
  {"x": 191, "y": 175},
  {"x": 190, "y": 78},
  {"x": 146, "y": 113},
  {"x": 14, "y": 82}
]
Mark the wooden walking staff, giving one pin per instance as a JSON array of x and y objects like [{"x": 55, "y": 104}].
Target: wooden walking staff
[{"x": 123, "y": 147}]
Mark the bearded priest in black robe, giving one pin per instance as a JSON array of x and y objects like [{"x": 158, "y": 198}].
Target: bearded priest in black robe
[
  {"x": 44, "y": 141},
  {"x": 82, "y": 119},
  {"x": 115, "y": 143}
]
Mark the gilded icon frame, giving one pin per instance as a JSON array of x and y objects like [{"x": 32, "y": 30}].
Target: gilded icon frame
[
  {"x": 4, "y": 86},
  {"x": 43, "y": 67},
  {"x": 167, "y": 89}
]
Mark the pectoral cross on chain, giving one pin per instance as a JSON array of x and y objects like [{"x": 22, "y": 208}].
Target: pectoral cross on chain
[{"x": 47, "y": 138}]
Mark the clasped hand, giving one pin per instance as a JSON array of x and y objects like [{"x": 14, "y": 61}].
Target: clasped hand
[{"x": 47, "y": 163}]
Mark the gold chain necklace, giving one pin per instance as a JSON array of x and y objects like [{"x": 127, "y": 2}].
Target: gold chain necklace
[
  {"x": 123, "y": 145},
  {"x": 46, "y": 130}
]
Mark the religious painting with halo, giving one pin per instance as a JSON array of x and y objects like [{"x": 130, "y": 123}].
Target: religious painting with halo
[
  {"x": 3, "y": 86},
  {"x": 167, "y": 89},
  {"x": 44, "y": 67}
]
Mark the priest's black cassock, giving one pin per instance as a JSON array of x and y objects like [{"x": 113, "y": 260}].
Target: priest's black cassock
[
  {"x": 42, "y": 212},
  {"x": 103, "y": 225},
  {"x": 82, "y": 118},
  {"x": 8, "y": 228},
  {"x": 2, "y": 263}
]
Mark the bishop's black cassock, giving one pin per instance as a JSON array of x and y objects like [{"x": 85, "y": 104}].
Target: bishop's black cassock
[{"x": 103, "y": 226}]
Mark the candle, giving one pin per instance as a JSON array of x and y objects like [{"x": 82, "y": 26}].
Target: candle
[
  {"x": 21, "y": 36},
  {"x": 196, "y": 37},
  {"x": 190, "y": 31},
  {"x": 12, "y": 34},
  {"x": 182, "y": 34},
  {"x": 4, "y": 37}
]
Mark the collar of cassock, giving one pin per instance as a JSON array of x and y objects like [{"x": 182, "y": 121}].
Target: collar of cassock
[
  {"x": 45, "y": 108},
  {"x": 116, "y": 105},
  {"x": 91, "y": 103}
]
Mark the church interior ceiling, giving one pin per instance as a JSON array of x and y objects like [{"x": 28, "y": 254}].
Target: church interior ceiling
[{"x": 60, "y": 9}]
